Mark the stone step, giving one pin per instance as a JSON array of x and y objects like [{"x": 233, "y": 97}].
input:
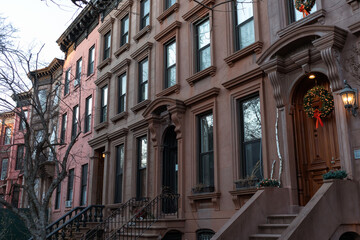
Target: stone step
[
  {"x": 152, "y": 229},
  {"x": 144, "y": 236},
  {"x": 272, "y": 228},
  {"x": 264, "y": 236},
  {"x": 281, "y": 218}
]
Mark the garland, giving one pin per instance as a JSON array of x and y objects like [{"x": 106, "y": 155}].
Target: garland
[
  {"x": 327, "y": 105},
  {"x": 304, "y": 6}
]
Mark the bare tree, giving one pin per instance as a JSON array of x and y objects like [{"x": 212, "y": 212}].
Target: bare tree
[{"x": 22, "y": 88}]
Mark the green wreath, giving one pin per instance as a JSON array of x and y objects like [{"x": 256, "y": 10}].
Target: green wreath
[
  {"x": 325, "y": 97},
  {"x": 308, "y": 4}
]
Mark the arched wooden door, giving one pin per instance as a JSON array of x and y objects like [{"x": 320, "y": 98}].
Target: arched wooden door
[{"x": 317, "y": 149}]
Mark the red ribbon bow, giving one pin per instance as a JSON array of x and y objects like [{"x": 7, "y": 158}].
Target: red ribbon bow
[
  {"x": 303, "y": 10},
  {"x": 318, "y": 119}
]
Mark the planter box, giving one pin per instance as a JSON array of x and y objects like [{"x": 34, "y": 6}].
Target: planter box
[
  {"x": 246, "y": 183},
  {"x": 206, "y": 189}
]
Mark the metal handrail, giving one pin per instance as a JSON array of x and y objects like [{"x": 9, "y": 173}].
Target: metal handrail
[
  {"x": 163, "y": 205},
  {"x": 92, "y": 213},
  {"x": 117, "y": 218}
]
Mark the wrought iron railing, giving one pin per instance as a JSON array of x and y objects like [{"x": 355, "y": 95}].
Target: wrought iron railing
[
  {"x": 117, "y": 219},
  {"x": 62, "y": 220},
  {"x": 92, "y": 213},
  {"x": 163, "y": 205}
]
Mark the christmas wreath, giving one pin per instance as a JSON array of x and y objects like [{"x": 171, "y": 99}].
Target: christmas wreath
[
  {"x": 304, "y": 6},
  {"x": 326, "y": 107}
]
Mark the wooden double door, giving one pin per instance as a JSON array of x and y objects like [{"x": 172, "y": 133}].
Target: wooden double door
[{"x": 317, "y": 149}]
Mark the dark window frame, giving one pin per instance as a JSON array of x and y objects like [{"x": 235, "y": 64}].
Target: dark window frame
[
  {"x": 75, "y": 121},
  {"x": 67, "y": 81},
  {"x": 204, "y": 234},
  {"x": 237, "y": 27},
  {"x": 70, "y": 185},
  {"x": 57, "y": 197},
  {"x": 167, "y": 68},
  {"x": 107, "y": 45},
  {"x": 3, "y": 174},
  {"x": 7, "y": 137},
  {"x": 104, "y": 104},
  {"x": 121, "y": 104},
  {"x": 88, "y": 114},
  {"x": 168, "y": 3},
  {"x": 141, "y": 170},
  {"x": 78, "y": 72},
  {"x": 91, "y": 60},
  {"x": 144, "y": 18},
  {"x": 83, "y": 184},
  {"x": 143, "y": 84},
  {"x": 124, "y": 36},
  {"x": 20, "y": 152},
  {"x": 119, "y": 172},
  {"x": 199, "y": 50},
  {"x": 22, "y": 124},
  {"x": 63, "y": 128}
]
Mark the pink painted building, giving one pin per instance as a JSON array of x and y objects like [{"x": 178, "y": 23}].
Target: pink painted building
[{"x": 75, "y": 110}]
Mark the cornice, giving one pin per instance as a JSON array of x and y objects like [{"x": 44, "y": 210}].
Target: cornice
[
  {"x": 212, "y": 92},
  {"x": 244, "y": 78},
  {"x": 103, "y": 78},
  {"x": 118, "y": 134},
  {"x": 167, "y": 30},
  {"x": 146, "y": 47},
  {"x": 124, "y": 63},
  {"x": 98, "y": 140}
]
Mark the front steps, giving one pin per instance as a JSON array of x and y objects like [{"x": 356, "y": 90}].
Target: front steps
[{"x": 274, "y": 227}]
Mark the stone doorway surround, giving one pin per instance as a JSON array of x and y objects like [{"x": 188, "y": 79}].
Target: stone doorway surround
[
  {"x": 314, "y": 48},
  {"x": 160, "y": 114}
]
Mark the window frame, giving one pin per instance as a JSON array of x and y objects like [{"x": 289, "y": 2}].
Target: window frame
[
  {"x": 3, "y": 174},
  {"x": 167, "y": 68},
  {"x": 141, "y": 171},
  {"x": 107, "y": 45},
  {"x": 70, "y": 185},
  {"x": 199, "y": 50},
  {"x": 167, "y": 3},
  {"x": 63, "y": 128},
  {"x": 78, "y": 72},
  {"x": 67, "y": 82},
  {"x": 20, "y": 152},
  {"x": 22, "y": 124},
  {"x": 204, "y": 231},
  {"x": 57, "y": 197},
  {"x": 292, "y": 11},
  {"x": 237, "y": 27},
  {"x": 103, "y": 103},
  {"x": 7, "y": 136},
  {"x": 142, "y": 83},
  {"x": 75, "y": 121},
  {"x": 119, "y": 173},
  {"x": 88, "y": 114},
  {"x": 83, "y": 184},
  {"x": 144, "y": 18},
  {"x": 124, "y": 34},
  {"x": 121, "y": 101},
  {"x": 91, "y": 60}
]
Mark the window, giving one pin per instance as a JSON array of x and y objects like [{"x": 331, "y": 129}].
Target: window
[
  {"x": 20, "y": 157},
  {"x": 294, "y": 14},
  {"x": 52, "y": 142},
  {"x": 69, "y": 196},
  {"x": 75, "y": 119},
  {"x": 107, "y": 45},
  {"x": 15, "y": 197},
  {"x": 203, "y": 54},
  {"x": 250, "y": 137},
  {"x": 7, "y": 138},
  {"x": 23, "y": 119},
  {"x": 57, "y": 94},
  {"x": 104, "y": 101},
  {"x": 42, "y": 99},
  {"x": 170, "y": 64},
  {"x": 244, "y": 25},
  {"x": 58, "y": 197},
  {"x": 4, "y": 167},
  {"x": 143, "y": 79},
  {"x": 206, "y": 150},
  {"x": 141, "y": 167},
  {"x": 169, "y": 3},
  {"x": 91, "y": 60},
  {"x": 63, "y": 128},
  {"x": 88, "y": 112},
  {"x": 144, "y": 13},
  {"x": 122, "y": 93},
  {"x": 119, "y": 172},
  {"x": 84, "y": 172},
  {"x": 124, "y": 30},
  {"x": 78, "y": 72},
  {"x": 67, "y": 82},
  {"x": 204, "y": 234}
]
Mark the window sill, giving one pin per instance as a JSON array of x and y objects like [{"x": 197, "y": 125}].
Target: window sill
[
  {"x": 62, "y": 146},
  {"x": 210, "y": 71},
  {"x": 142, "y": 32},
  {"x": 122, "y": 49},
  {"x": 253, "y": 48},
  {"x": 317, "y": 16},
  {"x": 240, "y": 196},
  {"x": 353, "y": 3},
  {"x": 76, "y": 87},
  {"x": 140, "y": 106},
  {"x": 168, "y": 12},
  {"x": 89, "y": 76},
  {"x": 119, "y": 116},
  {"x": 101, "y": 126},
  {"x": 355, "y": 28},
  {"x": 104, "y": 64},
  {"x": 201, "y": 197},
  {"x": 244, "y": 78},
  {"x": 169, "y": 91},
  {"x": 66, "y": 95},
  {"x": 87, "y": 134}
]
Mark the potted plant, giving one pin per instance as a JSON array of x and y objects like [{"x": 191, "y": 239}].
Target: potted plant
[
  {"x": 202, "y": 188},
  {"x": 267, "y": 182},
  {"x": 249, "y": 181},
  {"x": 335, "y": 174}
]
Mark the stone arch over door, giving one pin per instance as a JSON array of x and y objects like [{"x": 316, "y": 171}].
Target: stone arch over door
[
  {"x": 163, "y": 114},
  {"x": 313, "y": 48}
]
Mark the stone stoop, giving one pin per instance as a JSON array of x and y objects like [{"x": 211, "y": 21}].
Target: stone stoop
[{"x": 275, "y": 226}]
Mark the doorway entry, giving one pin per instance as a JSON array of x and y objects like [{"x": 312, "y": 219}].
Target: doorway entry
[{"x": 316, "y": 149}]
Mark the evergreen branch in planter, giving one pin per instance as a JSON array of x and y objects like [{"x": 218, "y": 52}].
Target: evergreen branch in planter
[
  {"x": 338, "y": 174},
  {"x": 269, "y": 183}
]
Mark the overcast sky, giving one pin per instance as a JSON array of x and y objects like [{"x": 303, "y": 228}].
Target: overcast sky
[{"x": 39, "y": 22}]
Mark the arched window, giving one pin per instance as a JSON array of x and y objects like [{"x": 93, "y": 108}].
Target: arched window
[{"x": 204, "y": 234}]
